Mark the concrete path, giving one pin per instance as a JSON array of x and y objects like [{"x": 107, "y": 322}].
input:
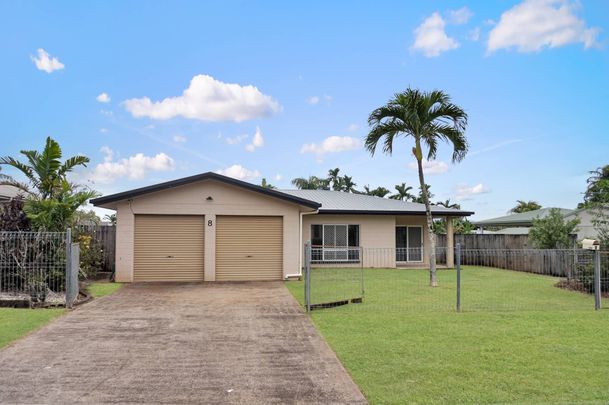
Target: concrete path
[{"x": 240, "y": 343}]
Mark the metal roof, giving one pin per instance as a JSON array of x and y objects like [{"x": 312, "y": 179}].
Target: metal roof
[
  {"x": 8, "y": 192},
  {"x": 521, "y": 219},
  {"x": 337, "y": 202}
]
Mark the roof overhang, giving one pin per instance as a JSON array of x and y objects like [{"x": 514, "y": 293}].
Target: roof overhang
[
  {"x": 395, "y": 212},
  {"x": 126, "y": 195}
]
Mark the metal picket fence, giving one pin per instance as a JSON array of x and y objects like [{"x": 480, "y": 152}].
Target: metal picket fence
[
  {"x": 467, "y": 279},
  {"x": 38, "y": 269}
]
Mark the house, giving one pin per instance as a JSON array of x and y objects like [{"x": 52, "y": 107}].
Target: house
[
  {"x": 8, "y": 192},
  {"x": 522, "y": 221},
  {"x": 215, "y": 228},
  {"x": 587, "y": 218}
]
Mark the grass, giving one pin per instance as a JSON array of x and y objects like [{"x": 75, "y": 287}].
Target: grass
[
  {"x": 18, "y": 322},
  {"x": 406, "y": 344},
  {"x": 102, "y": 288}
]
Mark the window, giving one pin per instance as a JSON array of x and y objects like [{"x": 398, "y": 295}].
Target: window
[
  {"x": 409, "y": 243},
  {"x": 335, "y": 243}
]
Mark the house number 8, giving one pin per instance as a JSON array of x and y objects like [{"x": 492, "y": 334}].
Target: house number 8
[{"x": 209, "y": 223}]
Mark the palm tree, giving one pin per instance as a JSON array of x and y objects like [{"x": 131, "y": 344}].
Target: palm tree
[
  {"x": 525, "y": 206},
  {"x": 44, "y": 170},
  {"x": 426, "y": 117},
  {"x": 311, "y": 183},
  {"x": 597, "y": 191},
  {"x": 348, "y": 185},
  {"x": 448, "y": 204},
  {"x": 265, "y": 184},
  {"x": 335, "y": 179},
  {"x": 376, "y": 192},
  {"x": 403, "y": 193},
  {"x": 420, "y": 198}
]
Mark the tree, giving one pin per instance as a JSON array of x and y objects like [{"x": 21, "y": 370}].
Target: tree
[
  {"x": 52, "y": 200},
  {"x": 376, "y": 192},
  {"x": 84, "y": 217},
  {"x": 264, "y": 184},
  {"x": 460, "y": 226},
  {"x": 402, "y": 193},
  {"x": 348, "y": 186},
  {"x": 597, "y": 191},
  {"x": 525, "y": 206},
  {"x": 311, "y": 183},
  {"x": 552, "y": 232},
  {"x": 110, "y": 218},
  {"x": 427, "y": 118},
  {"x": 12, "y": 216},
  {"x": 448, "y": 204},
  {"x": 420, "y": 198},
  {"x": 334, "y": 179}
]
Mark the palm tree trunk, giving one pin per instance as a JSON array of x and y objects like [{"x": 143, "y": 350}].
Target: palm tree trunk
[{"x": 433, "y": 282}]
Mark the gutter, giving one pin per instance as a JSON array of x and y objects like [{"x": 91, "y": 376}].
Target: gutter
[{"x": 300, "y": 249}]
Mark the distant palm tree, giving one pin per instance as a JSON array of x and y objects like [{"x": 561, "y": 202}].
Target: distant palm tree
[
  {"x": 426, "y": 117},
  {"x": 525, "y": 206},
  {"x": 311, "y": 183},
  {"x": 403, "y": 193},
  {"x": 348, "y": 185},
  {"x": 335, "y": 179},
  {"x": 377, "y": 192},
  {"x": 448, "y": 204},
  {"x": 420, "y": 198},
  {"x": 264, "y": 184}
]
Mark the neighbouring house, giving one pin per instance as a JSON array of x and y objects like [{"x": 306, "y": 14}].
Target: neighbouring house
[
  {"x": 8, "y": 192},
  {"x": 215, "y": 228},
  {"x": 514, "y": 224},
  {"x": 586, "y": 228}
]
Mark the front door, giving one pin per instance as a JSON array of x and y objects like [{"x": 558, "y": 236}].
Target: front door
[{"x": 408, "y": 243}]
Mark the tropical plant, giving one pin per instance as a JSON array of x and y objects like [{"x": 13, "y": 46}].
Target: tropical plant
[
  {"x": 44, "y": 170},
  {"x": 597, "y": 191},
  {"x": 265, "y": 184},
  {"x": 311, "y": 183},
  {"x": 84, "y": 217},
  {"x": 427, "y": 118},
  {"x": 461, "y": 226},
  {"x": 552, "y": 231},
  {"x": 402, "y": 193},
  {"x": 12, "y": 216},
  {"x": 376, "y": 192},
  {"x": 110, "y": 218},
  {"x": 448, "y": 204},
  {"x": 334, "y": 179},
  {"x": 347, "y": 184},
  {"x": 420, "y": 198},
  {"x": 525, "y": 206}
]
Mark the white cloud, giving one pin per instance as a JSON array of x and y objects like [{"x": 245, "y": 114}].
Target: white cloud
[
  {"x": 278, "y": 177},
  {"x": 235, "y": 140},
  {"x": 312, "y": 100},
  {"x": 239, "y": 172},
  {"x": 431, "y": 39},
  {"x": 431, "y": 166},
  {"x": 103, "y": 130},
  {"x": 135, "y": 167},
  {"x": 46, "y": 62},
  {"x": 179, "y": 138},
  {"x": 352, "y": 127},
  {"x": 465, "y": 192},
  {"x": 103, "y": 98},
  {"x": 332, "y": 144},
  {"x": 257, "y": 141},
  {"x": 207, "y": 99},
  {"x": 536, "y": 24},
  {"x": 460, "y": 16}
]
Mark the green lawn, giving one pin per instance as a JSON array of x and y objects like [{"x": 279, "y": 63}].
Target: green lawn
[
  {"x": 519, "y": 339},
  {"x": 102, "y": 288},
  {"x": 17, "y": 322}
]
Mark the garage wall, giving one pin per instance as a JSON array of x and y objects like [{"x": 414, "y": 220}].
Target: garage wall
[{"x": 191, "y": 199}]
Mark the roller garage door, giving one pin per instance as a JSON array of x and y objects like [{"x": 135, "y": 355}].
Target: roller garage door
[
  {"x": 168, "y": 248},
  {"x": 249, "y": 248}
]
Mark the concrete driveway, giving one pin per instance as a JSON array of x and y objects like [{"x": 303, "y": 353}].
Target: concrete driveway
[{"x": 178, "y": 343}]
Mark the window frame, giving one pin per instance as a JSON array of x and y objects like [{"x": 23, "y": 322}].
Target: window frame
[
  {"x": 422, "y": 247},
  {"x": 319, "y": 251}
]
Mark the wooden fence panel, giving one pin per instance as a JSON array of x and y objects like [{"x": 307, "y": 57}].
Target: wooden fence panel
[{"x": 105, "y": 235}]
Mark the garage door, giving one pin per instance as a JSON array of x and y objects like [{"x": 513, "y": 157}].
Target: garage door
[
  {"x": 168, "y": 248},
  {"x": 249, "y": 248}
]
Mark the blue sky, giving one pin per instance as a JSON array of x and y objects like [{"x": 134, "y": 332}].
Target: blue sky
[{"x": 283, "y": 89}]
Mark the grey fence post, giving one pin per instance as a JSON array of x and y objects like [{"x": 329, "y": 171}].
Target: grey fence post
[
  {"x": 597, "y": 280},
  {"x": 68, "y": 277},
  {"x": 458, "y": 267},
  {"x": 307, "y": 270},
  {"x": 72, "y": 280}
]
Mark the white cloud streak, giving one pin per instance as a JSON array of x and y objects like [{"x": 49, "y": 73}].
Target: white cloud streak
[
  {"x": 332, "y": 144},
  {"x": 257, "y": 141},
  {"x": 207, "y": 99},
  {"x": 465, "y": 192},
  {"x": 46, "y": 62},
  {"x": 460, "y": 16},
  {"x": 134, "y": 168},
  {"x": 239, "y": 172},
  {"x": 431, "y": 166},
  {"x": 533, "y": 25}
]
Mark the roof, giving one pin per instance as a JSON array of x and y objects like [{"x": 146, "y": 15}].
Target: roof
[
  {"x": 326, "y": 201},
  {"x": 200, "y": 177},
  {"x": 8, "y": 192},
  {"x": 517, "y": 230},
  {"x": 338, "y": 202},
  {"x": 521, "y": 219}
]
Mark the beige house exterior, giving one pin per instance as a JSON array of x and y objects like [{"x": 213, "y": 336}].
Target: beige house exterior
[{"x": 210, "y": 227}]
